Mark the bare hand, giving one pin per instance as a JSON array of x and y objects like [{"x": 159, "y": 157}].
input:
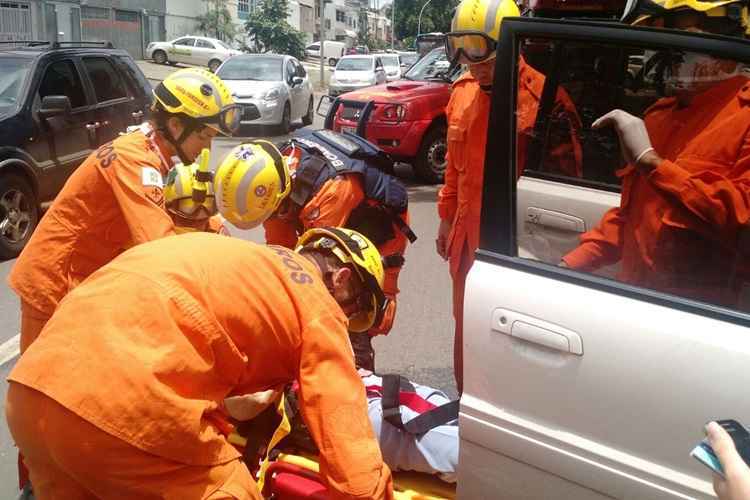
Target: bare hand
[
  {"x": 249, "y": 406},
  {"x": 441, "y": 243},
  {"x": 736, "y": 486}
]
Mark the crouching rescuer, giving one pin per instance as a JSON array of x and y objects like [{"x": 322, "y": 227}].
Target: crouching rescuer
[
  {"x": 326, "y": 179},
  {"x": 126, "y": 403}
]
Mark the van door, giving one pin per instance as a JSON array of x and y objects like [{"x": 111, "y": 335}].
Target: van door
[{"x": 596, "y": 381}]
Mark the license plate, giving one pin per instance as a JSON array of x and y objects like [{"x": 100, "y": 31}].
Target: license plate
[{"x": 351, "y": 130}]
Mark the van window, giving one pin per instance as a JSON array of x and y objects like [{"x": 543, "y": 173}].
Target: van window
[
  {"x": 61, "y": 78},
  {"x": 682, "y": 226}
]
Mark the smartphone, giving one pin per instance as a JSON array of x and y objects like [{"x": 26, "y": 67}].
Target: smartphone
[{"x": 741, "y": 437}]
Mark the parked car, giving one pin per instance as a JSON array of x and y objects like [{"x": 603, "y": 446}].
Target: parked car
[
  {"x": 58, "y": 103},
  {"x": 356, "y": 72},
  {"x": 198, "y": 50},
  {"x": 332, "y": 51},
  {"x": 276, "y": 85},
  {"x": 585, "y": 385},
  {"x": 392, "y": 65},
  {"x": 405, "y": 118}
]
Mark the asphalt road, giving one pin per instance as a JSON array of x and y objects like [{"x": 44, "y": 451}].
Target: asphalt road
[{"x": 419, "y": 346}]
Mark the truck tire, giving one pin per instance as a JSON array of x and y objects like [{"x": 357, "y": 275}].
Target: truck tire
[
  {"x": 19, "y": 214},
  {"x": 430, "y": 162},
  {"x": 159, "y": 57}
]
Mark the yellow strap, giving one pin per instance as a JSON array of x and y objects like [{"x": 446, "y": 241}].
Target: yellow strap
[{"x": 280, "y": 433}]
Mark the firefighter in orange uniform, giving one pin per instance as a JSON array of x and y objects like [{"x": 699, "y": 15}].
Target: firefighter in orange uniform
[
  {"x": 115, "y": 199},
  {"x": 472, "y": 41},
  {"x": 685, "y": 199},
  {"x": 123, "y": 404},
  {"x": 321, "y": 185}
]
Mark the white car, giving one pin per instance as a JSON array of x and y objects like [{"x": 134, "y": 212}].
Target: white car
[
  {"x": 596, "y": 384},
  {"x": 276, "y": 85},
  {"x": 356, "y": 72},
  {"x": 392, "y": 65},
  {"x": 198, "y": 50},
  {"x": 332, "y": 51}
]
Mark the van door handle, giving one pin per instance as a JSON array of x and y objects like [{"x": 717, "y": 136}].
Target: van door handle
[
  {"x": 536, "y": 331},
  {"x": 554, "y": 219}
]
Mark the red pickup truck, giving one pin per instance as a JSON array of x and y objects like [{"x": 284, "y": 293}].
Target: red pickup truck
[{"x": 405, "y": 118}]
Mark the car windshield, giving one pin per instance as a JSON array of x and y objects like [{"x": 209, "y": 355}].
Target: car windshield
[
  {"x": 266, "y": 69},
  {"x": 433, "y": 65},
  {"x": 408, "y": 59},
  {"x": 222, "y": 44},
  {"x": 13, "y": 71},
  {"x": 355, "y": 64},
  {"x": 390, "y": 61}
]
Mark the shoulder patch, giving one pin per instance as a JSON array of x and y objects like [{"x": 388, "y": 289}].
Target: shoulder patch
[{"x": 150, "y": 177}]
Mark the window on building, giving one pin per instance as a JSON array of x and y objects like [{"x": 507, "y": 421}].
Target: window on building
[
  {"x": 328, "y": 24},
  {"x": 340, "y": 16},
  {"x": 243, "y": 9}
]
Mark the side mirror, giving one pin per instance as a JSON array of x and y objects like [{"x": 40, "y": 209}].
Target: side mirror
[
  {"x": 324, "y": 105},
  {"x": 297, "y": 80},
  {"x": 54, "y": 105}
]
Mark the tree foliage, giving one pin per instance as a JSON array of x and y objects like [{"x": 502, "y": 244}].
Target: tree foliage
[
  {"x": 217, "y": 22},
  {"x": 436, "y": 17},
  {"x": 269, "y": 30}
]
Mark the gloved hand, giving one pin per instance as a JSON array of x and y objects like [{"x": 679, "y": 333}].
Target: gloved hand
[
  {"x": 249, "y": 406},
  {"x": 441, "y": 243},
  {"x": 736, "y": 486},
  {"x": 634, "y": 139}
]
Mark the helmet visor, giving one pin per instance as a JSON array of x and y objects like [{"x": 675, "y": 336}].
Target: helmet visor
[
  {"x": 469, "y": 47},
  {"x": 227, "y": 122}
]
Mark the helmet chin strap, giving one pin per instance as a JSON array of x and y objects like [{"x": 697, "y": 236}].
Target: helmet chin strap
[{"x": 188, "y": 128}]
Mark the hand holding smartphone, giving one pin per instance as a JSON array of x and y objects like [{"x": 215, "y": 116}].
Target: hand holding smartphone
[{"x": 705, "y": 454}]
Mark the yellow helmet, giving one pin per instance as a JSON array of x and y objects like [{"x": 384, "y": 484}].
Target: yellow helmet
[
  {"x": 351, "y": 247},
  {"x": 189, "y": 193},
  {"x": 475, "y": 29},
  {"x": 202, "y": 96},
  {"x": 251, "y": 183},
  {"x": 726, "y": 17}
]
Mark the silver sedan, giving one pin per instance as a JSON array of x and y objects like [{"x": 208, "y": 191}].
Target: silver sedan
[
  {"x": 198, "y": 50},
  {"x": 277, "y": 85}
]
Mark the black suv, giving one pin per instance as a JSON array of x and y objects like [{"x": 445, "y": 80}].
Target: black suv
[{"x": 58, "y": 103}]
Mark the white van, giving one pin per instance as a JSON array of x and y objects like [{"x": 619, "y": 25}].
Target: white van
[{"x": 332, "y": 51}]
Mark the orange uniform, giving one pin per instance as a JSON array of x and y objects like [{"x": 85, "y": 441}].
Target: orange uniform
[
  {"x": 460, "y": 199},
  {"x": 331, "y": 206},
  {"x": 113, "y": 201},
  {"x": 677, "y": 228},
  {"x": 167, "y": 337}
]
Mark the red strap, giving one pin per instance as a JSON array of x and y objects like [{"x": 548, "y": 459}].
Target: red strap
[{"x": 411, "y": 400}]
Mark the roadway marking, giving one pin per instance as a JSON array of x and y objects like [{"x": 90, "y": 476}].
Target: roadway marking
[{"x": 10, "y": 349}]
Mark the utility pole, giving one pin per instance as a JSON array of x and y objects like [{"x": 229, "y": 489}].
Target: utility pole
[
  {"x": 419, "y": 22},
  {"x": 321, "y": 32},
  {"x": 393, "y": 23}
]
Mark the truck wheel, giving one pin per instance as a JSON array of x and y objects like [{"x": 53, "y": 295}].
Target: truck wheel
[
  {"x": 19, "y": 214},
  {"x": 159, "y": 56},
  {"x": 308, "y": 118},
  {"x": 430, "y": 162}
]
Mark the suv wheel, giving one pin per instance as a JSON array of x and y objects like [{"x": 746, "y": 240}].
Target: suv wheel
[
  {"x": 430, "y": 162},
  {"x": 18, "y": 214},
  {"x": 308, "y": 118},
  {"x": 213, "y": 65},
  {"x": 159, "y": 56}
]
